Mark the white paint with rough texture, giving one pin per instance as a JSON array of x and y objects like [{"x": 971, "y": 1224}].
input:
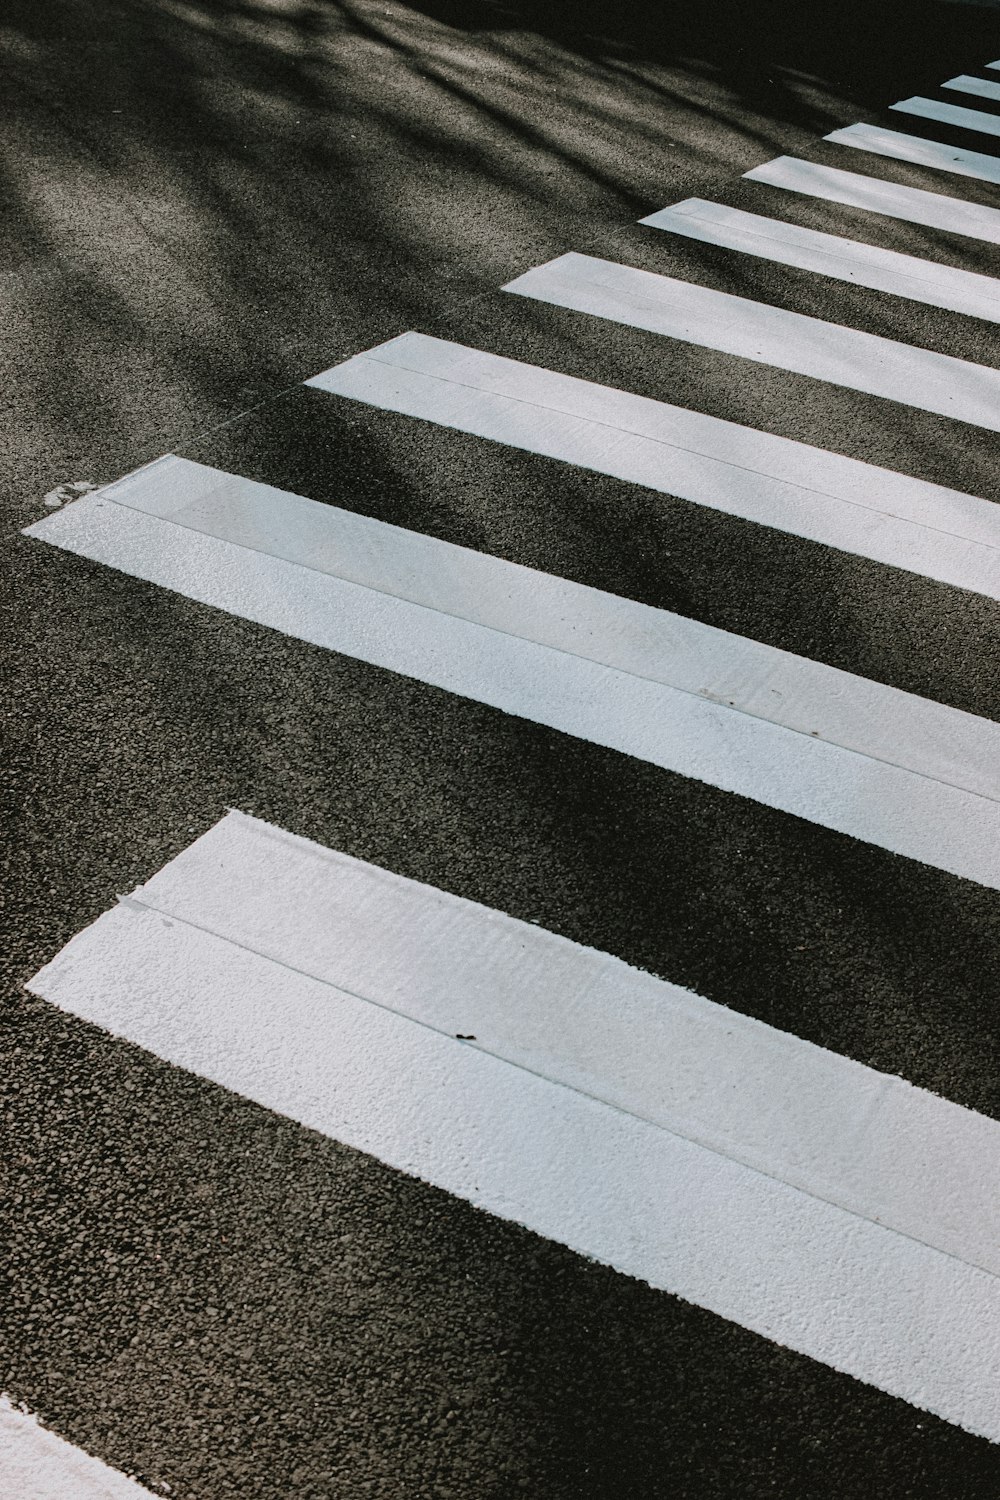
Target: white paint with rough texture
[
  {"x": 913, "y": 148},
  {"x": 868, "y": 1142},
  {"x": 915, "y": 205},
  {"x": 35, "y": 1464},
  {"x": 759, "y": 476},
  {"x": 602, "y": 696},
  {"x": 880, "y": 722},
  {"x": 769, "y": 335},
  {"x": 926, "y": 281},
  {"x": 342, "y": 1024}
]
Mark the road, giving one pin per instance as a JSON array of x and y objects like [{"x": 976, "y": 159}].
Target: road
[{"x": 552, "y": 758}]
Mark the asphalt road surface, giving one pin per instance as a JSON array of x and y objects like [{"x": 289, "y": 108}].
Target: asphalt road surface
[{"x": 551, "y": 1045}]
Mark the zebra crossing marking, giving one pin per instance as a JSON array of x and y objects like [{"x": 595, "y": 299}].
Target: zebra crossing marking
[
  {"x": 635, "y": 1122},
  {"x": 982, "y": 88},
  {"x": 757, "y": 476},
  {"x": 925, "y": 281},
  {"x": 881, "y": 1305},
  {"x": 696, "y": 314},
  {"x": 893, "y": 806},
  {"x": 950, "y": 114},
  {"x": 914, "y": 149},
  {"x": 866, "y": 1141},
  {"x": 877, "y": 721},
  {"x": 915, "y": 205}
]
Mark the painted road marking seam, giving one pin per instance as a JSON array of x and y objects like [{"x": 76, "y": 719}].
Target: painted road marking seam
[
  {"x": 878, "y": 1304},
  {"x": 848, "y": 357},
  {"x": 757, "y": 476},
  {"x": 747, "y": 676},
  {"x": 872, "y": 1144},
  {"x": 838, "y": 788}
]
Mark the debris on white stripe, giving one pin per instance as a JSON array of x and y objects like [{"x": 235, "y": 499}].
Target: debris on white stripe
[
  {"x": 701, "y": 736},
  {"x": 950, "y": 114},
  {"x": 759, "y": 476},
  {"x": 35, "y": 1464},
  {"x": 768, "y": 335},
  {"x": 525, "y": 1137},
  {"x": 915, "y": 205},
  {"x": 983, "y": 88},
  {"x": 870, "y": 1143},
  {"x": 63, "y": 493},
  {"x": 913, "y": 148}
]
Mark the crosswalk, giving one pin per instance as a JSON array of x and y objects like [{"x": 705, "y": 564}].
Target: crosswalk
[
  {"x": 912, "y": 776},
  {"x": 757, "y": 331},
  {"x": 760, "y": 1155},
  {"x": 555, "y": 1086},
  {"x": 895, "y": 200},
  {"x": 950, "y": 114},
  {"x": 983, "y": 88},
  {"x": 921, "y": 153},
  {"x": 831, "y": 255}
]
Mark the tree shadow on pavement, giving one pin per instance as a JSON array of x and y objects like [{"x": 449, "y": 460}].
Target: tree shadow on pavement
[{"x": 205, "y": 202}]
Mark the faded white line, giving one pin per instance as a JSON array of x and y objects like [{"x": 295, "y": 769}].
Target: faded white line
[
  {"x": 926, "y": 281},
  {"x": 35, "y": 1464},
  {"x": 915, "y": 205},
  {"x": 950, "y": 114},
  {"x": 871, "y": 512},
  {"x": 915, "y": 149},
  {"x": 982, "y": 88},
  {"x": 757, "y": 331},
  {"x": 695, "y": 736},
  {"x": 881, "y": 1305}
]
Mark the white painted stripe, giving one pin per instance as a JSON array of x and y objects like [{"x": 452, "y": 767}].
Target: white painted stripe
[
  {"x": 950, "y": 114},
  {"x": 983, "y": 88},
  {"x": 37, "y": 1465},
  {"x": 926, "y": 281},
  {"x": 872, "y": 512},
  {"x": 896, "y": 808},
  {"x": 768, "y": 335},
  {"x": 822, "y": 702},
  {"x": 915, "y": 205},
  {"x": 870, "y": 1143},
  {"x": 913, "y": 148},
  {"x": 838, "y": 1287}
]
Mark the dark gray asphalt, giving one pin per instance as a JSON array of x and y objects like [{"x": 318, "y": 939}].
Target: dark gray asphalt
[{"x": 201, "y": 204}]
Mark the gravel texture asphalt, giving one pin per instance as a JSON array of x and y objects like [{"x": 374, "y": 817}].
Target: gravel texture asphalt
[{"x": 202, "y": 203}]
